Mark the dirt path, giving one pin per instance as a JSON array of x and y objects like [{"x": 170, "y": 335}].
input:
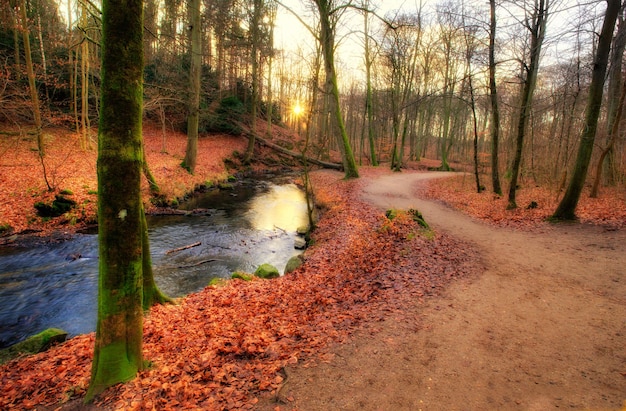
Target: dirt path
[{"x": 543, "y": 327}]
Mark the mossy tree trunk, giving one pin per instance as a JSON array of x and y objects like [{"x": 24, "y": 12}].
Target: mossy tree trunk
[
  {"x": 566, "y": 209},
  {"x": 118, "y": 347},
  {"x": 151, "y": 293},
  {"x": 327, "y": 41}
]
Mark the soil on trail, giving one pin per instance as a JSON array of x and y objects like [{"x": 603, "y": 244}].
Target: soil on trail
[{"x": 543, "y": 327}]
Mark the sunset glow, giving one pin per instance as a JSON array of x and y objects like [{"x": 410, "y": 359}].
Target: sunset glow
[{"x": 297, "y": 109}]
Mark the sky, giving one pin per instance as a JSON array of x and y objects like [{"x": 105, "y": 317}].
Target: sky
[
  {"x": 289, "y": 29},
  {"x": 290, "y": 35}
]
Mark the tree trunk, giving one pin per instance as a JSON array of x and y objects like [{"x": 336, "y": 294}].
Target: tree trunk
[
  {"x": 611, "y": 143},
  {"x": 84, "y": 85},
  {"x": 613, "y": 101},
  {"x": 475, "y": 128},
  {"x": 566, "y": 209},
  {"x": 118, "y": 346},
  {"x": 289, "y": 153},
  {"x": 327, "y": 39},
  {"x": 70, "y": 56},
  {"x": 195, "y": 73},
  {"x": 495, "y": 111},
  {"x": 33, "y": 93},
  {"x": 42, "y": 51},
  {"x": 151, "y": 293},
  {"x": 256, "y": 39},
  {"x": 369, "y": 107},
  {"x": 16, "y": 40},
  {"x": 537, "y": 27},
  {"x": 270, "y": 103}
]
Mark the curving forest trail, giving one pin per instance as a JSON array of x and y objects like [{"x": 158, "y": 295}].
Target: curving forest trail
[{"x": 543, "y": 327}]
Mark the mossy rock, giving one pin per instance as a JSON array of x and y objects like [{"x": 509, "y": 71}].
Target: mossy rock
[
  {"x": 241, "y": 276},
  {"x": 34, "y": 344},
  {"x": 391, "y": 214},
  {"x": 418, "y": 218},
  {"x": 5, "y": 229},
  {"x": 293, "y": 264},
  {"x": 302, "y": 230},
  {"x": 299, "y": 243},
  {"x": 217, "y": 282},
  {"x": 58, "y": 207},
  {"x": 267, "y": 271}
]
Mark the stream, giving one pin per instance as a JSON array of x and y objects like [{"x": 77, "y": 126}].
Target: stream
[{"x": 56, "y": 285}]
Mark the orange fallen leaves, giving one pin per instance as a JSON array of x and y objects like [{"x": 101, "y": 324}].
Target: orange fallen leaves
[
  {"x": 224, "y": 347},
  {"x": 609, "y": 210},
  {"x": 73, "y": 169}
]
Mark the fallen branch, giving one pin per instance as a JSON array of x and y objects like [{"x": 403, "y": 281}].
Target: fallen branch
[
  {"x": 174, "y": 250},
  {"x": 248, "y": 133},
  {"x": 165, "y": 211},
  {"x": 197, "y": 264},
  {"x": 18, "y": 133}
]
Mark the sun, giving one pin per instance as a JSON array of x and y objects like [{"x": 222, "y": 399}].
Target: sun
[{"x": 297, "y": 109}]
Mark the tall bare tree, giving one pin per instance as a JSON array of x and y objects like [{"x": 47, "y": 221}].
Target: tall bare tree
[
  {"x": 369, "y": 100},
  {"x": 329, "y": 12},
  {"x": 535, "y": 23},
  {"x": 493, "y": 94},
  {"x": 34, "y": 94},
  {"x": 255, "y": 40},
  {"x": 615, "y": 89},
  {"x": 195, "y": 74},
  {"x": 566, "y": 209}
]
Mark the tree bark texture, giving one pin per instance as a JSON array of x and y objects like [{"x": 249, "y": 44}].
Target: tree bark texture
[
  {"x": 195, "y": 72},
  {"x": 119, "y": 330},
  {"x": 495, "y": 110},
  {"x": 151, "y": 293}
]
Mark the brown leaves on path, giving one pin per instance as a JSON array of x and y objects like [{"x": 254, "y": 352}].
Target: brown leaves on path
[{"x": 224, "y": 347}]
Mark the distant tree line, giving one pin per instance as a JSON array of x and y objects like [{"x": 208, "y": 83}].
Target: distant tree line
[{"x": 501, "y": 85}]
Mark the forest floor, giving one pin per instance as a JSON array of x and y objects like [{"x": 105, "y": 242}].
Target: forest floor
[
  {"x": 505, "y": 313},
  {"x": 542, "y": 327}
]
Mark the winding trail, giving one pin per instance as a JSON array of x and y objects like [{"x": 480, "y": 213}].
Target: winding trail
[{"x": 543, "y": 327}]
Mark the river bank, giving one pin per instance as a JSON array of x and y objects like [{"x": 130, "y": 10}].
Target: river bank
[
  {"x": 224, "y": 347},
  {"x": 71, "y": 172}
]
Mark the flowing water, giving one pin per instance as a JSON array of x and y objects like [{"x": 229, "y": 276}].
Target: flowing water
[{"x": 56, "y": 285}]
